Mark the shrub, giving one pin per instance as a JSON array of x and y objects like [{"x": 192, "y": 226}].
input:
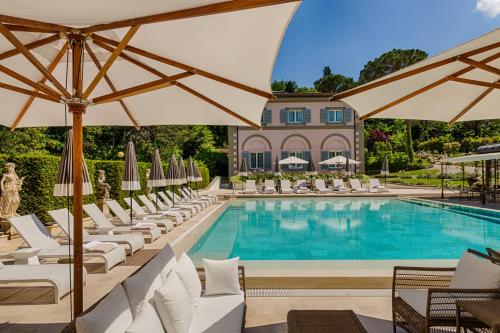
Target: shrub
[
  {"x": 472, "y": 143},
  {"x": 216, "y": 161}
]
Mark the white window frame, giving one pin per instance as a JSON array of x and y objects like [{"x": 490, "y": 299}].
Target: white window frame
[
  {"x": 294, "y": 119},
  {"x": 299, "y": 154},
  {"x": 332, "y": 154},
  {"x": 254, "y": 161},
  {"x": 336, "y": 117}
]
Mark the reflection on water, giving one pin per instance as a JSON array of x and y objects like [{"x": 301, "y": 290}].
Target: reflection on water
[{"x": 343, "y": 229}]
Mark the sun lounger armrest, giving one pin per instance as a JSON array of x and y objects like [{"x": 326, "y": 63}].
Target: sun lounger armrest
[
  {"x": 441, "y": 302},
  {"x": 104, "y": 230},
  {"x": 405, "y": 277},
  {"x": 241, "y": 276}
]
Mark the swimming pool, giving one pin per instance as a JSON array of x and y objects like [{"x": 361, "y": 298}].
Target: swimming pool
[{"x": 346, "y": 229}]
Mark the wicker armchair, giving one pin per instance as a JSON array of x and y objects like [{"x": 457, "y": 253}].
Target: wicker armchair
[
  {"x": 440, "y": 310},
  {"x": 71, "y": 328}
]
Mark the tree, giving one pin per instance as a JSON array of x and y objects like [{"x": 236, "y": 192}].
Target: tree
[
  {"x": 388, "y": 63},
  {"x": 333, "y": 83},
  {"x": 289, "y": 86}
]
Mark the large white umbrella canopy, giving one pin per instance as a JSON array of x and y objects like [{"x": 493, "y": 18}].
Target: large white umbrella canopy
[
  {"x": 460, "y": 84},
  {"x": 339, "y": 160},
  {"x": 293, "y": 160}
]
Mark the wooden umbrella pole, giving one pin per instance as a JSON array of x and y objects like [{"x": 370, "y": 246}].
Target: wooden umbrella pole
[{"x": 77, "y": 108}]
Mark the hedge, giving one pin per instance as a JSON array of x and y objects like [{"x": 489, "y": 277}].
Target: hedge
[{"x": 40, "y": 172}]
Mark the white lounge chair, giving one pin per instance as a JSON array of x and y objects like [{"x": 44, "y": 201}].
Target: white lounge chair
[
  {"x": 356, "y": 186},
  {"x": 102, "y": 222},
  {"x": 178, "y": 200},
  {"x": 37, "y": 236},
  {"x": 320, "y": 186},
  {"x": 338, "y": 185},
  {"x": 269, "y": 186},
  {"x": 250, "y": 186},
  {"x": 164, "y": 224},
  {"x": 154, "y": 204},
  {"x": 301, "y": 187},
  {"x": 376, "y": 186},
  {"x": 64, "y": 220},
  {"x": 179, "y": 206},
  {"x": 140, "y": 213},
  {"x": 187, "y": 195},
  {"x": 57, "y": 275},
  {"x": 185, "y": 198},
  {"x": 191, "y": 192},
  {"x": 286, "y": 186}
]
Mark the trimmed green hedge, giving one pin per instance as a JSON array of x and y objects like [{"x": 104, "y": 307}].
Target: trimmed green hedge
[{"x": 41, "y": 170}]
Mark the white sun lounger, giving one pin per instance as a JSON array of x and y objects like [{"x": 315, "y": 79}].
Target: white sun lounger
[
  {"x": 356, "y": 186},
  {"x": 140, "y": 213},
  {"x": 57, "y": 275},
  {"x": 150, "y": 205},
  {"x": 338, "y": 185},
  {"x": 165, "y": 225},
  {"x": 98, "y": 217},
  {"x": 134, "y": 242},
  {"x": 269, "y": 186},
  {"x": 186, "y": 196},
  {"x": 182, "y": 208},
  {"x": 376, "y": 186},
  {"x": 37, "y": 236},
  {"x": 178, "y": 200},
  {"x": 190, "y": 191},
  {"x": 250, "y": 186},
  {"x": 320, "y": 186},
  {"x": 301, "y": 186},
  {"x": 286, "y": 186}
]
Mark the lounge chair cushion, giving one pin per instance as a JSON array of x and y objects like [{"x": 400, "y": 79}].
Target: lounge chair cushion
[
  {"x": 216, "y": 314},
  {"x": 173, "y": 305},
  {"x": 474, "y": 272},
  {"x": 140, "y": 287},
  {"x": 186, "y": 271},
  {"x": 416, "y": 298},
  {"x": 146, "y": 320},
  {"x": 222, "y": 277},
  {"x": 111, "y": 315}
]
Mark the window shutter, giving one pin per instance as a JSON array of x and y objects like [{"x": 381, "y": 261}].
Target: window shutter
[
  {"x": 324, "y": 157},
  {"x": 283, "y": 116},
  {"x": 307, "y": 154},
  {"x": 267, "y": 117},
  {"x": 323, "y": 116},
  {"x": 267, "y": 160},
  {"x": 245, "y": 155},
  {"x": 284, "y": 154},
  {"x": 346, "y": 153},
  {"x": 307, "y": 116},
  {"x": 347, "y": 115}
]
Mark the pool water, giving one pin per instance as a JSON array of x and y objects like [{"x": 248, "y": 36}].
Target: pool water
[{"x": 346, "y": 229}]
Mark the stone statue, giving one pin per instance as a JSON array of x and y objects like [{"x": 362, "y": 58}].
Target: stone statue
[
  {"x": 10, "y": 184},
  {"x": 102, "y": 187},
  {"x": 148, "y": 188}
]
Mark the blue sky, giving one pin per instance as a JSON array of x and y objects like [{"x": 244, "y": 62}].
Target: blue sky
[{"x": 345, "y": 34}]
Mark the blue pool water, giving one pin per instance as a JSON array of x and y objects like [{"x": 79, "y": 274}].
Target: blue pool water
[{"x": 346, "y": 229}]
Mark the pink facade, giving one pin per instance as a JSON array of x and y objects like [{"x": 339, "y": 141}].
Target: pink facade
[{"x": 298, "y": 124}]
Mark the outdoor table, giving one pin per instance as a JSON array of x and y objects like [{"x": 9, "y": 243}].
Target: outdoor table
[
  {"x": 486, "y": 312},
  {"x": 27, "y": 256},
  {"x": 322, "y": 321}
]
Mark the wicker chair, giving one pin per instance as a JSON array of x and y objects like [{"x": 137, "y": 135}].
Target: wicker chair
[
  {"x": 71, "y": 328},
  {"x": 440, "y": 311}
]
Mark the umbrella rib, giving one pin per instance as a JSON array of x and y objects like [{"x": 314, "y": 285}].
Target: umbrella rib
[
  {"x": 188, "y": 68},
  {"x": 178, "y": 84},
  {"x": 212, "y": 9},
  {"x": 472, "y": 104},
  {"x": 30, "y": 101},
  {"x": 33, "y": 84},
  {"x": 111, "y": 86},
  {"x": 22, "y": 49},
  {"x": 412, "y": 72},
  {"x": 426, "y": 88},
  {"x": 28, "y": 92},
  {"x": 493, "y": 85},
  {"x": 128, "y": 36},
  {"x": 480, "y": 65},
  {"x": 17, "y": 21},
  {"x": 35, "y": 44},
  {"x": 140, "y": 89}
]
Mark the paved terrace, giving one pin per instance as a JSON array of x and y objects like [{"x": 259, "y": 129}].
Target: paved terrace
[{"x": 27, "y": 309}]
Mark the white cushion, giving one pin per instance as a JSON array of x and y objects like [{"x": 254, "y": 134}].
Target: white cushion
[
  {"x": 187, "y": 273},
  {"x": 474, "y": 272},
  {"x": 146, "y": 320},
  {"x": 416, "y": 298},
  {"x": 219, "y": 314},
  {"x": 222, "y": 276},
  {"x": 173, "y": 305},
  {"x": 111, "y": 315},
  {"x": 140, "y": 287}
]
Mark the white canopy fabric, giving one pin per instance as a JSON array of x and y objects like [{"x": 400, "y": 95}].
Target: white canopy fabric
[
  {"x": 472, "y": 158},
  {"x": 293, "y": 160},
  {"x": 338, "y": 160},
  {"x": 448, "y": 91},
  {"x": 240, "y": 46}
]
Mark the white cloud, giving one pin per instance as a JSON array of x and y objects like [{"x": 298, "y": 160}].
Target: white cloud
[{"x": 489, "y": 7}]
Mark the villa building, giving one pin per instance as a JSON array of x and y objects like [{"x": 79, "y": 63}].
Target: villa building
[{"x": 302, "y": 125}]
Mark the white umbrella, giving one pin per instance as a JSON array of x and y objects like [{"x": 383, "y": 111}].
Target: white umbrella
[
  {"x": 460, "y": 84},
  {"x": 339, "y": 160},
  {"x": 136, "y": 63},
  {"x": 293, "y": 160}
]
